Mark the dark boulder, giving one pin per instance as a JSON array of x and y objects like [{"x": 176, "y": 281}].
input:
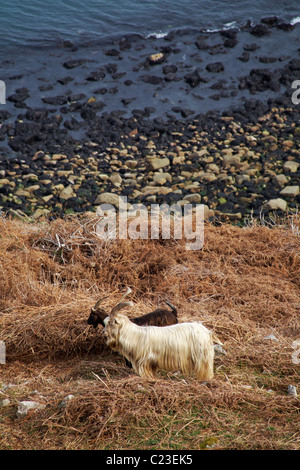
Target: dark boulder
[
  {"x": 55, "y": 100},
  {"x": 193, "y": 79},
  {"x": 259, "y": 30},
  {"x": 215, "y": 67},
  {"x": 70, "y": 64},
  {"x": 153, "y": 79}
]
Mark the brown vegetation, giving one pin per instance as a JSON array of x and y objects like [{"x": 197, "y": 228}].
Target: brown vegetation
[{"x": 243, "y": 284}]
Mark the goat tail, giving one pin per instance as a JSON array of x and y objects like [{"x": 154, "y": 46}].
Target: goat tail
[{"x": 172, "y": 307}]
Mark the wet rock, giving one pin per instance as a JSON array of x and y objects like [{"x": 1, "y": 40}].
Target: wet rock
[
  {"x": 111, "y": 68},
  {"x": 38, "y": 114},
  {"x": 95, "y": 76},
  {"x": 169, "y": 69},
  {"x": 112, "y": 52},
  {"x": 259, "y": 30},
  {"x": 193, "y": 79},
  {"x": 68, "y": 44},
  {"x": 153, "y": 79},
  {"x": 270, "y": 20},
  {"x": 87, "y": 113},
  {"x": 157, "y": 58},
  {"x": 230, "y": 42},
  {"x": 55, "y": 100},
  {"x": 285, "y": 26},
  {"x": 4, "y": 115},
  {"x": 215, "y": 67},
  {"x": 244, "y": 57},
  {"x": 70, "y": 64},
  {"x": 251, "y": 47},
  {"x": 21, "y": 95},
  {"x": 124, "y": 44},
  {"x": 47, "y": 87},
  {"x": 260, "y": 80},
  {"x": 65, "y": 80},
  {"x": 72, "y": 124},
  {"x": 267, "y": 60},
  {"x": 202, "y": 44}
]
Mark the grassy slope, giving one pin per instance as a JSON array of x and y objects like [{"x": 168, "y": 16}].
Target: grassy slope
[{"x": 244, "y": 284}]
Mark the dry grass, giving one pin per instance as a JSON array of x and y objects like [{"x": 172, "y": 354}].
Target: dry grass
[{"x": 244, "y": 284}]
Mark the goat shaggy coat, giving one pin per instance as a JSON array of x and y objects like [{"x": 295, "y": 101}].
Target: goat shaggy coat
[{"x": 185, "y": 346}]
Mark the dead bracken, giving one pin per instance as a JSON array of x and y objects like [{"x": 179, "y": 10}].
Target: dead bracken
[{"x": 243, "y": 284}]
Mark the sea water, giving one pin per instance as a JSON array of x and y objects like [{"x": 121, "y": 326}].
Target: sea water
[{"x": 27, "y": 21}]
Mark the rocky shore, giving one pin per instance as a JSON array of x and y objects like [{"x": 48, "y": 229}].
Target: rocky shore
[{"x": 189, "y": 118}]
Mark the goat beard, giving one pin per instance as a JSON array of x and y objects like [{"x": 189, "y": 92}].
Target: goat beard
[{"x": 112, "y": 335}]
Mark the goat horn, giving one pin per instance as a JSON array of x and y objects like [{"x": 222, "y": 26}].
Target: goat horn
[
  {"x": 128, "y": 291},
  {"x": 98, "y": 303},
  {"x": 119, "y": 306}
]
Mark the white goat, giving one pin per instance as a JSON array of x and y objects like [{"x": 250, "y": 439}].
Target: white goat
[{"x": 185, "y": 346}]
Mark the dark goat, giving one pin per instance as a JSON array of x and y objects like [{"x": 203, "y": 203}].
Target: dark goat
[{"x": 159, "y": 317}]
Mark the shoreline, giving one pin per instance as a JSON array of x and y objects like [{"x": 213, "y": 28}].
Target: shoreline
[{"x": 191, "y": 116}]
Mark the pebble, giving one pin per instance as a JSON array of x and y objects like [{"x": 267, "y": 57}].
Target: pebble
[
  {"x": 219, "y": 349},
  {"x": 65, "y": 401},
  {"x": 156, "y": 58},
  {"x": 38, "y": 213},
  {"x": 193, "y": 198},
  {"x": 290, "y": 191},
  {"x": 224, "y": 163},
  {"x": 156, "y": 163},
  {"x": 5, "y": 402},
  {"x": 231, "y": 160},
  {"x": 116, "y": 179},
  {"x": 67, "y": 193},
  {"x": 275, "y": 204},
  {"x": 107, "y": 198},
  {"x": 162, "y": 178},
  {"x": 25, "y": 406},
  {"x": 291, "y": 166},
  {"x": 292, "y": 391},
  {"x": 271, "y": 337},
  {"x": 280, "y": 180}
]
